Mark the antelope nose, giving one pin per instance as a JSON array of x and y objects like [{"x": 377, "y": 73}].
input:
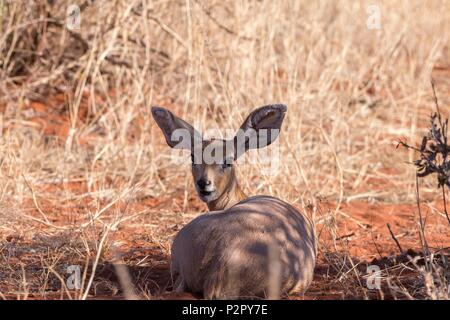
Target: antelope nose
[{"x": 202, "y": 183}]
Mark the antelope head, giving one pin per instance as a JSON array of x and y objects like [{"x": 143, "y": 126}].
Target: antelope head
[{"x": 213, "y": 160}]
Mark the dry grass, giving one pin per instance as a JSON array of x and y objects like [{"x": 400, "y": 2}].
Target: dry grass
[{"x": 85, "y": 177}]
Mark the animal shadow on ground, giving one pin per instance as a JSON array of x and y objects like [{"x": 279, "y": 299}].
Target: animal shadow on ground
[{"x": 148, "y": 281}]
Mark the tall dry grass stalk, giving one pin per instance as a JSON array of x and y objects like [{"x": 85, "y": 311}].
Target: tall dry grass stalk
[{"x": 351, "y": 91}]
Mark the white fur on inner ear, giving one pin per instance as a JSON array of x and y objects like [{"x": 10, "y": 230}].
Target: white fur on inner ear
[
  {"x": 268, "y": 117},
  {"x": 260, "y": 128}
]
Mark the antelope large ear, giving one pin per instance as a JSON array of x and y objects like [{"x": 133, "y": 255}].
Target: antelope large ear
[
  {"x": 260, "y": 129},
  {"x": 178, "y": 133}
]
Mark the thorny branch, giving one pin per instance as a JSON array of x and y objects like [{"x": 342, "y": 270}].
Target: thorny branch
[{"x": 434, "y": 151}]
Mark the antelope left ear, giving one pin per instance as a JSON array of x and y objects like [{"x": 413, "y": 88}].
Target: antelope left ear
[
  {"x": 260, "y": 129},
  {"x": 178, "y": 133}
]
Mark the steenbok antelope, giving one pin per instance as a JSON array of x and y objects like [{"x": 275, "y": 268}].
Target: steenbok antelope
[{"x": 257, "y": 246}]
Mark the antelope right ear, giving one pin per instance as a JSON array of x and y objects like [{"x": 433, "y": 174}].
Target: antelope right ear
[
  {"x": 178, "y": 133},
  {"x": 260, "y": 129}
]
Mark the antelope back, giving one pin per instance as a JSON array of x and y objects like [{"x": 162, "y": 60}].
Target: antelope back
[{"x": 242, "y": 251}]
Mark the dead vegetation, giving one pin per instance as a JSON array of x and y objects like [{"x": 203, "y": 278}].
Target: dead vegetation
[{"x": 87, "y": 181}]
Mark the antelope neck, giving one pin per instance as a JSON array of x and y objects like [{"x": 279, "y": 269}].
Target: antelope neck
[{"x": 232, "y": 195}]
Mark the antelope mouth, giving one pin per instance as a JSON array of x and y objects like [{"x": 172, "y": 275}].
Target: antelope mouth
[{"x": 205, "y": 193}]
